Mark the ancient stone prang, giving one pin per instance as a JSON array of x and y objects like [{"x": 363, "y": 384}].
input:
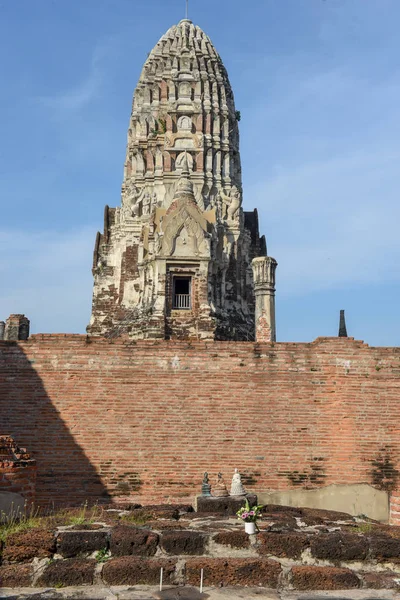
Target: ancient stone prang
[
  {"x": 175, "y": 259},
  {"x": 15, "y": 328}
]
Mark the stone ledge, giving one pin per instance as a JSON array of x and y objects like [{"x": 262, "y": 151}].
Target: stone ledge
[{"x": 227, "y": 506}]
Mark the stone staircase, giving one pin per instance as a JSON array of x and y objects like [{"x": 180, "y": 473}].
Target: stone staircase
[{"x": 295, "y": 549}]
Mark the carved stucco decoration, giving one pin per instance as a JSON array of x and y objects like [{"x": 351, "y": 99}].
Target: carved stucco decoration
[
  {"x": 230, "y": 204},
  {"x": 185, "y": 218},
  {"x": 181, "y": 200}
]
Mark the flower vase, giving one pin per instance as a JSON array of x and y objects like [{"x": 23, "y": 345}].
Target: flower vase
[{"x": 250, "y": 528}]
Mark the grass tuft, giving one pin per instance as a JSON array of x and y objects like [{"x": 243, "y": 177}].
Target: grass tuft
[{"x": 15, "y": 523}]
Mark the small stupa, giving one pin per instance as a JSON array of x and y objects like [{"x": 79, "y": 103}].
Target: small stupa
[
  {"x": 206, "y": 486},
  {"x": 237, "y": 488},
  {"x": 220, "y": 490}
]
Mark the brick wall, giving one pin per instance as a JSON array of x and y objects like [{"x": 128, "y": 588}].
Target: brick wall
[
  {"x": 146, "y": 419},
  {"x": 17, "y": 470}
]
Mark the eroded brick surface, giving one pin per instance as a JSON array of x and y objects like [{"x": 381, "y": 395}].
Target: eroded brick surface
[
  {"x": 381, "y": 580},
  {"x": 385, "y": 547},
  {"x": 339, "y": 546},
  {"x": 79, "y": 543},
  {"x": 68, "y": 572},
  {"x": 25, "y": 545},
  {"x": 15, "y": 576},
  {"x": 129, "y": 570},
  {"x": 234, "y": 571},
  {"x": 323, "y": 578},
  {"x": 126, "y": 540},
  {"x": 283, "y": 545},
  {"x": 183, "y": 542},
  {"x": 235, "y": 539}
]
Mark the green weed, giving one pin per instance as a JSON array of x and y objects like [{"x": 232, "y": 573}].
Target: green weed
[{"x": 102, "y": 555}]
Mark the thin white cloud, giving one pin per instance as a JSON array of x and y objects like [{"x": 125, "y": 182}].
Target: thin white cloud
[
  {"x": 83, "y": 93},
  {"x": 76, "y": 98}
]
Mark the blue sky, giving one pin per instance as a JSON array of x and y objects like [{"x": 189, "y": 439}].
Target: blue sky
[{"x": 318, "y": 86}]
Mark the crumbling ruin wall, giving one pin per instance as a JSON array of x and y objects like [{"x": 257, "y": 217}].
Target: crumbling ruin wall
[
  {"x": 145, "y": 419},
  {"x": 17, "y": 470}
]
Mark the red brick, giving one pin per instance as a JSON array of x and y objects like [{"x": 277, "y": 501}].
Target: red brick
[{"x": 144, "y": 420}]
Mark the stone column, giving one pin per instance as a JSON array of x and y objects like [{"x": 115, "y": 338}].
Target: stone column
[
  {"x": 2, "y": 328},
  {"x": 17, "y": 328},
  {"x": 264, "y": 289}
]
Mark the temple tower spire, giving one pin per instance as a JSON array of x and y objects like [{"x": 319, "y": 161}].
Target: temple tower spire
[{"x": 174, "y": 259}]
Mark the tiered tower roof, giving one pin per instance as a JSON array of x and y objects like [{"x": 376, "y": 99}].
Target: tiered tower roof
[{"x": 183, "y": 102}]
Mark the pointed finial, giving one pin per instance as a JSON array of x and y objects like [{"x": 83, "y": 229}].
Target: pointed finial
[
  {"x": 187, "y": 9},
  {"x": 342, "y": 325}
]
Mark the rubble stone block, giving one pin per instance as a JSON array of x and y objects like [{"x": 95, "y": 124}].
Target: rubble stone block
[
  {"x": 384, "y": 547},
  {"x": 235, "y": 539},
  {"x": 183, "y": 542},
  {"x": 339, "y": 546},
  {"x": 131, "y": 570},
  {"x": 317, "y": 516},
  {"x": 25, "y": 545},
  {"x": 323, "y": 578},
  {"x": 126, "y": 541},
  {"x": 233, "y": 571},
  {"x": 74, "y": 571},
  {"x": 284, "y": 545},
  {"x": 381, "y": 580},
  {"x": 15, "y": 576},
  {"x": 79, "y": 543},
  {"x": 165, "y": 525},
  {"x": 279, "y": 518},
  {"x": 223, "y": 506},
  {"x": 162, "y": 511}
]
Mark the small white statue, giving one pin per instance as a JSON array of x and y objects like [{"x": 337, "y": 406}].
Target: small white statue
[{"x": 237, "y": 488}]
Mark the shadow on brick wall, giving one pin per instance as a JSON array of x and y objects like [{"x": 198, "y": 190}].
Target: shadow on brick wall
[{"x": 65, "y": 475}]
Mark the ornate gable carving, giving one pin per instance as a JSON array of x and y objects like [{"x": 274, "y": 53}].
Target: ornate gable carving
[{"x": 185, "y": 231}]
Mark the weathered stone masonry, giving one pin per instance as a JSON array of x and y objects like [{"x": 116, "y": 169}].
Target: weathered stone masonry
[
  {"x": 17, "y": 470},
  {"x": 177, "y": 259},
  {"x": 145, "y": 419}
]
